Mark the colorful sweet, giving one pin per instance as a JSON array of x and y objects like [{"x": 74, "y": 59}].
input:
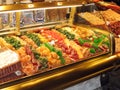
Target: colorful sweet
[{"x": 48, "y": 48}]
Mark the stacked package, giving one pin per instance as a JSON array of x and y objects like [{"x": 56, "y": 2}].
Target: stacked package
[
  {"x": 113, "y": 20},
  {"x": 108, "y": 20}
]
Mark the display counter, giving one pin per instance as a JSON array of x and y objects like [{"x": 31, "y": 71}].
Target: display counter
[{"x": 53, "y": 45}]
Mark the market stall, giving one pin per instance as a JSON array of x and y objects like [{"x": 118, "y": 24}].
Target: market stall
[{"x": 53, "y": 45}]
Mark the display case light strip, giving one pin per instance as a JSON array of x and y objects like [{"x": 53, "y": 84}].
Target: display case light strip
[
  {"x": 34, "y": 28},
  {"x": 7, "y": 29},
  {"x": 32, "y": 9},
  {"x": 5, "y": 33},
  {"x": 44, "y": 24}
]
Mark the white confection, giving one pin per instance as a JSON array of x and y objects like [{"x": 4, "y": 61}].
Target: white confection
[
  {"x": 8, "y": 57},
  {"x": 119, "y": 36},
  {"x": 52, "y": 42},
  {"x": 107, "y": 22}
]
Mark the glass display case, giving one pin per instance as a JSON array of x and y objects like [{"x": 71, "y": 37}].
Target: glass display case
[{"x": 44, "y": 44}]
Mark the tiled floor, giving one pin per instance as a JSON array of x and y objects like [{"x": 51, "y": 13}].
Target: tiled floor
[{"x": 91, "y": 84}]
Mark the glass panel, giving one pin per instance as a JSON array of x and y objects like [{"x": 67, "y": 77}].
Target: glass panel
[
  {"x": 7, "y": 23},
  {"x": 46, "y": 43}
]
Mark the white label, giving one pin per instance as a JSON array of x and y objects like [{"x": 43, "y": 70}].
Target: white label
[{"x": 18, "y": 73}]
